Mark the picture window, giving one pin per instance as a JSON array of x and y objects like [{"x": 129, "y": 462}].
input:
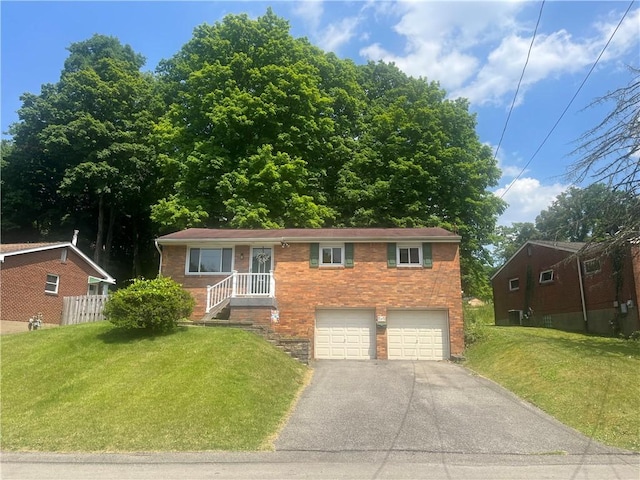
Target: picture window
[
  {"x": 514, "y": 284},
  {"x": 210, "y": 260}
]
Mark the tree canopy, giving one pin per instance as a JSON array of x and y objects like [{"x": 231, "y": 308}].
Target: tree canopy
[{"x": 247, "y": 126}]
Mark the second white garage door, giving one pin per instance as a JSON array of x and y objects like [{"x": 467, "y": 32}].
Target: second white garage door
[
  {"x": 417, "y": 335},
  {"x": 345, "y": 334}
]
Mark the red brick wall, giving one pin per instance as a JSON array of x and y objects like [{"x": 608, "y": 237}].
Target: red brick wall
[
  {"x": 562, "y": 296},
  {"x": 301, "y": 289},
  {"x": 23, "y": 278}
]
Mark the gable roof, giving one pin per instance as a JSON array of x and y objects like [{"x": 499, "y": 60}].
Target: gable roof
[
  {"x": 570, "y": 247},
  {"x": 306, "y": 235},
  {"x": 11, "y": 249}
]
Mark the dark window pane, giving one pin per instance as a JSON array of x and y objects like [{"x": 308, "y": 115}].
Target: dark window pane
[
  {"x": 415, "y": 256},
  {"x": 227, "y": 254},
  {"x": 337, "y": 255},
  {"x": 326, "y": 255},
  {"x": 194, "y": 259},
  {"x": 404, "y": 255}
]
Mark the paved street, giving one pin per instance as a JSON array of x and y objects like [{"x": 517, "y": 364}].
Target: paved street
[{"x": 376, "y": 420}]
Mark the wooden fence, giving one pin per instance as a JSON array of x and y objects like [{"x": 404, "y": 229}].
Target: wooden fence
[{"x": 82, "y": 309}]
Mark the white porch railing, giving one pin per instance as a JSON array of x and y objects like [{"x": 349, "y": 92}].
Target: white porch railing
[{"x": 241, "y": 285}]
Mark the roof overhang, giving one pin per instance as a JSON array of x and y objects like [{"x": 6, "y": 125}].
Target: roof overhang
[{"x": 105, "y": 276}]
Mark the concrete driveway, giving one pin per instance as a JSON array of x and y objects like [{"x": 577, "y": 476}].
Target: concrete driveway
[{"x": 435, "y": 407}]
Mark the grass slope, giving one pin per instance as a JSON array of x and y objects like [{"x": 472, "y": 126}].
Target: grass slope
[
  {"x": 93, "y": 388},
  {"x": 589, "y": 383}
]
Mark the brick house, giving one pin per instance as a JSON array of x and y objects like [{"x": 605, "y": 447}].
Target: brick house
[
  {"x": 35, "y": 277},
  {"x": 551, "y": 284},
  {"x": 354, "y": 293}
]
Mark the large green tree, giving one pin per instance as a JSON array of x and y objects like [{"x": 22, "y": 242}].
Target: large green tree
[
  {"x": 584, "y": 214},
  {"x": 82, "y": 155},
  {"x": 264, "y": 130}
]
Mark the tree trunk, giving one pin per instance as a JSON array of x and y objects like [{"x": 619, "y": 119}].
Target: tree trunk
[
  {"x": 136, "y": 250},
  {"x": 97, "y": 254},
  {"x": 109, "y": 241}
]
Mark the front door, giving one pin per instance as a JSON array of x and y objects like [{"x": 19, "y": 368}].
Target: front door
[{"x": 261, "y": 264}]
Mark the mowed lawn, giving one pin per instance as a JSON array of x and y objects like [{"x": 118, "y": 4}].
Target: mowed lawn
[
  {"x": 589, "y": 383},
  {"x": 93, "y": 388}
]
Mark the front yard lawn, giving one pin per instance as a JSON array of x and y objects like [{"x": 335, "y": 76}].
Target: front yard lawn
[
  {"x": 589, "y": 383},
  {"x": 94, "y": 388}
]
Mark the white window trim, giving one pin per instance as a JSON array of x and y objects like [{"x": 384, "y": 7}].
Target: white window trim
[
  {"x": 206, "y": 247},
  {"x": 593, "y": 260},
  {"x": 511, "y": 288},
  {"x": 542, "y": 273},
  {"x": 331, "y": 245},
  {"x": 47, "y": 283},
  {"x": 409, "y": 265}
]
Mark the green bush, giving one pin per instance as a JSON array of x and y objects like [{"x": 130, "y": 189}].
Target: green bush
[{"x": 156, "y": 305}]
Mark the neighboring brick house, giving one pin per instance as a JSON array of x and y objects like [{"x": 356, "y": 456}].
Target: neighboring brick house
[
  {"x": 554, "y": 284},
  {"x": 35, "y": 277},
  {"x": 354, "y": 293}
]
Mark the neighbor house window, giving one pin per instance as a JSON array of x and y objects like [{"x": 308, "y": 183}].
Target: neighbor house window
[
  {"x": 514, "y": 284},
  {"x": 331, "y": 254},
  {"x": 52, "y": 283},
  {"x": 592, "y": 266},
  {"x": 409, "y": 255},
  {"x": 546, "y": 276},
  {"x": 210, "y": 260}
]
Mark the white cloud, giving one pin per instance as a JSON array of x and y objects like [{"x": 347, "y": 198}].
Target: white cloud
[
  {"x": 310, "y": 11},
  {"x": 477, "y": 50},
  {"x": 337, "y": 34},
  {"x": 329, "y": 37},
  {"x": 527, "y": 197}
]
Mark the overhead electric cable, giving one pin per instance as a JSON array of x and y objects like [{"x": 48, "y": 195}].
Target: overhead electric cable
[
  {"x": 515, "y": 96},
  {"x": 570, "y": 101}
]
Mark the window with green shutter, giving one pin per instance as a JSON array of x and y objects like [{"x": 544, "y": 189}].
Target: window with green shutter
[
  {"x": 314, "y": 252},
  {"x": 427, "y": 258},
  {"x": 348, "y": 255},
  {"x": 391, "y": 254}
]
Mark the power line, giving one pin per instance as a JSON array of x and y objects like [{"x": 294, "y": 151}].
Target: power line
[
  {"x": 515, "y": 96},
  {"x": 570, "y": 102}
]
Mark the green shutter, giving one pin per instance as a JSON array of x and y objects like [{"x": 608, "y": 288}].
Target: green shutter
[
  {"x": 348, "y": 255},
  {"x": 427, "y": 258},
  {"x": 314, "y": 253},
  {"x": 391, "y": 254}
]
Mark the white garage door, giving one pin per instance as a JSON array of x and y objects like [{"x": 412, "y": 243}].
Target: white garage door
[
  {"x": 417, "y": 335},
  {"x": 345, "y": 334}
]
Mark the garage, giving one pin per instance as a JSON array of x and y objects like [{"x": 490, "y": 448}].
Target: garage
[
  {"x": 345, "y": 334},
  {"x": 417, "y": 335}
]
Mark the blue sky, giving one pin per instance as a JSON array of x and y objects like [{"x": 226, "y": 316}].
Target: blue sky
[{"x": 474, "y": 49}]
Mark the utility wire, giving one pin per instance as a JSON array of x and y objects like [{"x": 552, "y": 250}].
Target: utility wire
[
  {"x": 515, "y": 96},
  {"x": 570, "y": 101}
]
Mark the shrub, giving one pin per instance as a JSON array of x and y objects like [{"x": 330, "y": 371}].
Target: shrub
[{"x": 156, "y": 305}]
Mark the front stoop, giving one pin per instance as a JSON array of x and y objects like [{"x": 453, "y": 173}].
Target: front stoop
[{"x": 295, "y": 347}]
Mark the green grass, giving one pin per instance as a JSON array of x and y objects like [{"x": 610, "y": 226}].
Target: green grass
[
  {"x": 94, "y": 388},
  {"x": 589, "y": 383}
]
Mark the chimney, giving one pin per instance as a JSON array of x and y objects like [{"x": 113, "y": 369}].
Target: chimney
[{"x": 74, "y": 240}]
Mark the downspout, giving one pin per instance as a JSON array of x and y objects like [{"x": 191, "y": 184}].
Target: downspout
[
  {"x": 155, "y": 242},
  {"x": 584, "y": 307}
]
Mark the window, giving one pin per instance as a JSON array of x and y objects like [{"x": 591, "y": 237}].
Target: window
[
  {"x": 514, "y": 284},
  {"x": 546, "y": 276},
  {"x": 592, "y": 266},
  {"x": 52, "y": 284},
  {"x": 331, "y": 255},
  {"x": 409, "y": 255},
  {"x": 210, "y": 260}
]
